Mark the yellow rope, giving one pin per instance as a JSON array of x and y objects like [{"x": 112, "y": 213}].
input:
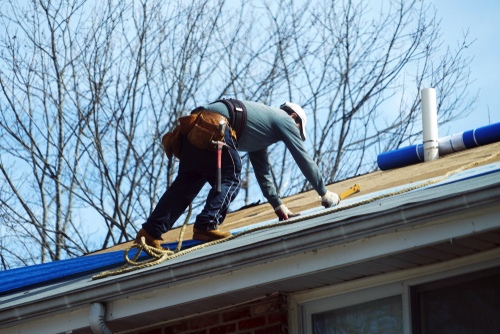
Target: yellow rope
[{"x": 159, "y": 256}]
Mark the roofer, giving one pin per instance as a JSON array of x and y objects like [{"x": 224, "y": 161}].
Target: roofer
[{"x": 253, "y": 127}]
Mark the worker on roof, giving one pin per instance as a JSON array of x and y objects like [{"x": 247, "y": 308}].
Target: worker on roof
[{"x": 253, "y": 127}]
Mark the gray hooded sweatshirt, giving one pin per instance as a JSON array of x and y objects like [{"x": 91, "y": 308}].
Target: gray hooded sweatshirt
[{"x": 266, "y": 126}]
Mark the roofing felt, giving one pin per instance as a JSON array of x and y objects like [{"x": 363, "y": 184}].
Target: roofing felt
[{"x": 60, "y": 271}]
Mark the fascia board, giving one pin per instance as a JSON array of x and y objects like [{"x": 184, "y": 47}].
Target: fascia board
[{"x": 375, "y": 218}]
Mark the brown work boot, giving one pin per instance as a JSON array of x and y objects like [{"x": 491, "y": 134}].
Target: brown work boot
[
  {"x": 150, "y": 241},
  {"x": 210, "y": 235}
]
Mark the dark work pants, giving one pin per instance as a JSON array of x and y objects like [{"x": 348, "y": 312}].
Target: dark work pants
[{"x": 197, "y": 167}]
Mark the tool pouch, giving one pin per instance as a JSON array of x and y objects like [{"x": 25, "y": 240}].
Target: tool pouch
[
  {"x": 172, "y": 143},
  {"x": 187, "y": 123},
  {"x": 206, "y": 129},
  {"x": 201, "y": 128}
]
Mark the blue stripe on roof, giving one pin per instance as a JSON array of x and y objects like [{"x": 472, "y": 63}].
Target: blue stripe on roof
[{"x": 15, "y": 279}]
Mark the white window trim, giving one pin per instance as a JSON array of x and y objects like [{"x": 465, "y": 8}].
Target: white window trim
[{"x": 303, "y": 304}]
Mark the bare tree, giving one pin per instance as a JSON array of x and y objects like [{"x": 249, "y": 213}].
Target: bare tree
[
  {"x": 40, "y": 138},
  {"x": 351, "y": 67},
  {"x": 88, "y": 89}
]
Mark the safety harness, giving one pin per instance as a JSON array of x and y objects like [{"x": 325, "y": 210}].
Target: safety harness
[{"x": 237, "y": 115}]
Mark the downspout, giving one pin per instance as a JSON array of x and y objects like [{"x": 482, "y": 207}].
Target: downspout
[{"x": 96, "y": 319}]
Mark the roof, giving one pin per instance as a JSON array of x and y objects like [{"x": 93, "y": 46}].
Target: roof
[
  {"x": 25, "y": 278},
  {"x": 373, "y": 184},
  {"x": 470, "y": 190},
  {"x": 370, "y": 183}
]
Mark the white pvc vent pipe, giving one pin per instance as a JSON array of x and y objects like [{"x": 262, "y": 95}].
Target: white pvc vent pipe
[{"x": 429, "y": 123}]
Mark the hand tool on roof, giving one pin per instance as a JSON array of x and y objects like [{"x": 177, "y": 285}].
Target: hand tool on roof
[{"x": 351, "y": 191}]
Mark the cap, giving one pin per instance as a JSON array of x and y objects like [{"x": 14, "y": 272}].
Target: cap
[{"x": 290, "y": 107}]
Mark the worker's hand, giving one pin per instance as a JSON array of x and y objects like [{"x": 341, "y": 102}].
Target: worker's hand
[
  {"x": 284, "y": 214},
  {"x": 330, "y": 199}
]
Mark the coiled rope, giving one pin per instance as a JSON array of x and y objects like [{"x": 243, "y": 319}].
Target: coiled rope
[{"x": 159, "y": 256}]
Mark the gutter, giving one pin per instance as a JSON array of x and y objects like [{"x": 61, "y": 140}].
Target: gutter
[{"x": 371, "y": 219}]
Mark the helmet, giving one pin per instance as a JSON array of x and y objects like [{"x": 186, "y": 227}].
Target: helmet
[{"x": 290, "y": 108}]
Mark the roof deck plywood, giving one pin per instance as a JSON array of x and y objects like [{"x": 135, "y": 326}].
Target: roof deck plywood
[{"x": 369, "y": 183}]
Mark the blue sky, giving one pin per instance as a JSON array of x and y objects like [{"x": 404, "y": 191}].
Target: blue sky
[
  {"x": 458, "y": 16},
  {"x": 482, "y": 21}
]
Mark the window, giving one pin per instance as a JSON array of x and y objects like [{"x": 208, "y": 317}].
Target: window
[
  {"x": 465, "y": 304},
  {"x": 464, "y": 300},
  {"x": 369, "y": 311},
  {"x": 378, "y": 316}
]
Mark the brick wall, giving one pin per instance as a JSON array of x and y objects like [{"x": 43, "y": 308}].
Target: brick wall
[{"x": 264, "y": 316}]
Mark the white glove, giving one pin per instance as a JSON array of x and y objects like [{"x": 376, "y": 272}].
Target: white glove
[
  {"x": 283, "y": 213},
  {"x": 330, "y": 199}
]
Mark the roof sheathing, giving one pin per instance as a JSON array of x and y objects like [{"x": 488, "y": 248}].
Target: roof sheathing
[{"x": 370, "y": 183}]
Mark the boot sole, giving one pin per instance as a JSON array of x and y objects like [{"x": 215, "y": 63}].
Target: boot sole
[{"x": 201, "y": 237}]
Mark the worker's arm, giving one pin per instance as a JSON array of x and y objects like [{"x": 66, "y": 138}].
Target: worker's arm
[
  {"x": 262, "y": 169},
  {"x": 291, "y": 137}
]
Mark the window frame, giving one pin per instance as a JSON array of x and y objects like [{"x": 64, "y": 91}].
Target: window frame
[
  {"x": 303, "y": 304},
  {"x": 349, "y": 299},
  {"x": 415, "y": 290}
]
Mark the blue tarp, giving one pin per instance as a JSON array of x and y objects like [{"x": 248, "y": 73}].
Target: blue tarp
[{"x": 18, "y": 278}]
